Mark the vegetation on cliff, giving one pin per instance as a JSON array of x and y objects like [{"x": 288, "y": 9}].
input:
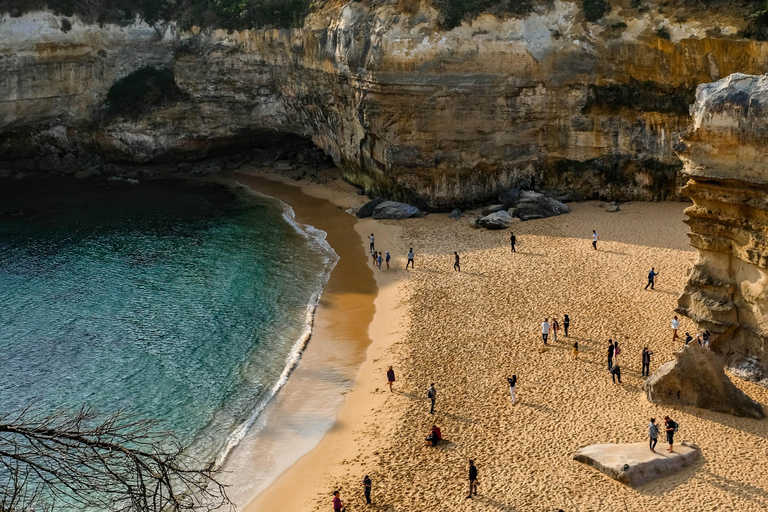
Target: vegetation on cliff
[
  {"x": 456, "y": 11},
  {"x": 231, "y": 14},
  {"x": 142, "y": 91}
]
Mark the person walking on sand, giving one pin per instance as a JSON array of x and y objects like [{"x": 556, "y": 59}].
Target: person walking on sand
[
  {"x": 456, "y": 263},
  {"x": 616, "y": 373},
  {"x": 675, "y": 326},
  {"x": 566, "y": 323},
  {"x": 671, "y": 427},
  {"x": 646, "y": 362},
  {"x": 390, "y": 378},
  {"x": 555, "y": 328},
  {"x": 472, "y": 479},
  {"x": 410, "y": 259},
  {"x": 512, "y": 385},
  {"x": 372, "y": 247},
  {"x": 594, "y": 239},
  {"x": 432, "y": 395},
  {"x": 610, "y": 354},
  {"x": 379, "y": 261},
  {"x": 512, "y": 240},
  {"x": 373, "y": 255},
  {"x": 545, "y": 329},
  {"x": 337, "y": 504},
  {"x": 367, "y": 489},
  {"x": 575, "y": 349},
  {"x": 651, "y": 278},
  {"x": 653, "y": 434},
  {"x": 616, "y": 352}
]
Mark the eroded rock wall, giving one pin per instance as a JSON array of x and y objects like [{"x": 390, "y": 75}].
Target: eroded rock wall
[
  {"x": 439, "y": 118},
  {"x": 725, "y": 155}
]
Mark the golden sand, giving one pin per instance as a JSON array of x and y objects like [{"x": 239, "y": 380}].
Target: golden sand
[{"x": 468, "y": 331}]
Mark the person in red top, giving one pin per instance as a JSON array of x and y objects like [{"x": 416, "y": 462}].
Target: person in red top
[
  {"x": 390, "y": 377},
  {"x": 337, "y": 506}
]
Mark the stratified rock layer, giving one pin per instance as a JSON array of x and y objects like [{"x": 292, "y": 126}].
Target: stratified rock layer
[
  {"x": 634, "y": 464},
  {"x": 412, "y": 112},
  {"x": 696, "y": 377},
  {"x": 725, "y": 155}
]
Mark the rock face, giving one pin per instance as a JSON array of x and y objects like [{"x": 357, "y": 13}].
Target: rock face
[
  {"x": 498, "y": 220},
  {"x": 725, "y": 155},
  {"x": 367, "y": 209},
  {"x": 634, "y": 464},
  {"x": 534, "y": 205},
  {"x": 696, "y": 377},
  {"x": 410, "y": 111},
  {"x": 394, "y": 210}
]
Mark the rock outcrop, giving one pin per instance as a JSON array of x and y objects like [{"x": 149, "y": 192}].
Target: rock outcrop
[
  {"x": 535, "y": 205},
  {"x": 408, "y": 110},
  {"x": 725, "y": 155},
  {"x": 498, "y": 220},
  {"x": 634, "y": 464},
  {"x": 696, "y": 377},
  {"x": 394, "y": 210}
]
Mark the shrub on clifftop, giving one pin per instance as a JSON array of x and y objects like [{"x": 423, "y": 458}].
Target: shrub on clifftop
[
  {"x": 596, "y": 9},
  {"x": 456, "y": 11}
]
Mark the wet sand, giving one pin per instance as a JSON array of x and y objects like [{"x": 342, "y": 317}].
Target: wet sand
[{"x": 307, "y": 406}]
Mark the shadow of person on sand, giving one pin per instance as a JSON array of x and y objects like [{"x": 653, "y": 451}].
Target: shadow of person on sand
[
  {"x": 538, "y": 407},
  {"x": 496, "y": 504}
]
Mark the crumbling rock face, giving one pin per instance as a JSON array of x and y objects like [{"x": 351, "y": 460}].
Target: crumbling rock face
[
  {"x": 696, "y": 377},
  {"x": 725, "y": 155},
  {"x": 407, "y": 110}
]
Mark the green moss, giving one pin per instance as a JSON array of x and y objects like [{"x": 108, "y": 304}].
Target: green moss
[
  {"x": 455, "y": 11},
  {"x": 645, "y": 96},
  {"x": 595, "y": 9},
  {"x": 231, "y": 14},
  {"x": 141, "y": 92}
]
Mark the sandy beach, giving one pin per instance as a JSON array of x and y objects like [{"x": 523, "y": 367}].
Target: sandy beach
[{"x": 467, "y": 331}]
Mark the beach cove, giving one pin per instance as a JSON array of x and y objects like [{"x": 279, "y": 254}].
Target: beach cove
[{"x": 468, "y": 331}]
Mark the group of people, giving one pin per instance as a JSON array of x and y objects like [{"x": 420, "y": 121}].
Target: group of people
[
  {"x": 554, "y": 328},
  {"x": 614, "y": 351},
  {"x": 670, "y": 428}
]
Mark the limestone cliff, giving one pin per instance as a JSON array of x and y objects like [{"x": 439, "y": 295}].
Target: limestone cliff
[
  {"x": 725, "y": 155},
  {"x": 406, "y": 109}
]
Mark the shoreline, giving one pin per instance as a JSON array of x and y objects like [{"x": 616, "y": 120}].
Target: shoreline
[{"x": 300, "y": 416}]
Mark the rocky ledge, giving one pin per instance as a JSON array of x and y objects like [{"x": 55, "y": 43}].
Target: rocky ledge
[
  {"x": 725, "y": 156},
  {"x": 634, "y": 464}
]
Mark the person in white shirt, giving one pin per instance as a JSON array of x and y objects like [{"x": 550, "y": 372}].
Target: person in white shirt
[
  {"x": 410, "y": 259},
  {"x": 545, "y": 330},
  {"x": 675, "y": 326},
  {"x": 372, "y": 247},
  {"x": 594, "y": 239}
]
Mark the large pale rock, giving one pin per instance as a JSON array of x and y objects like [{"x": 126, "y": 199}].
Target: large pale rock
[
  {"x": 498, "y": 220},
  {"x": 696, "y": 377},
  {"x": 394, "y": 210},
  {"x": 725, "y": 156},
  {"x": 535, "y": 205},
  {"x": 634, "y": 464}
]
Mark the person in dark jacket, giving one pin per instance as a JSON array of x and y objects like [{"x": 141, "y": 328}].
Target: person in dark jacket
[
  {"x": 616, "y": 373},
  {"x": 456, "y": 263},
  {"x": 610, "y": 354},
  {"x": 566, "y": 323},
  {"x": 367, "y": 489},
  {"x": 390, "y": 378},
  {"x": 651, "y": 278},
  {"x": 472, "y": 479},
  {"x": 646, "y": 361}
]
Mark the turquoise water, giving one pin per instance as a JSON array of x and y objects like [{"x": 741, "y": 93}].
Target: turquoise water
[{"x": 174, "y": 300}]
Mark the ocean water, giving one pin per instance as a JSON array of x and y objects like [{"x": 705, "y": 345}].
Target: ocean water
[{"x": 175, "y": 300}]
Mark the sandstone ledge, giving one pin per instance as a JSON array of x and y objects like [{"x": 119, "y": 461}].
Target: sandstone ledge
[{"x": 634, "y": 464}]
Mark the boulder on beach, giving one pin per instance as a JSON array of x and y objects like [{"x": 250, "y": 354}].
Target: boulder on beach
[
  {"x": 535, "y": 205},
  {"x": 492, "y": 209},
  {"x": 456, "y": 213},
  {"x": 635, "y": 464},
  {"x": 367, "y": 209},
  {"x": 509, "y": 197},
  {"x": 697, "y": 377},
  {"x": 498, "y": 220},
  {"x": 394, "y": 210}
]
